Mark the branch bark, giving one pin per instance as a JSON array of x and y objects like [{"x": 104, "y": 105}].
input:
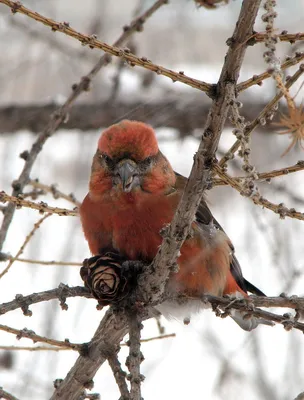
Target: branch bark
[
  {"x": 183, "y": 116},
  {"x": 112, "y": 329},
  {"x": 199, "y": 179},
  {"x": 61, "y": 293}
]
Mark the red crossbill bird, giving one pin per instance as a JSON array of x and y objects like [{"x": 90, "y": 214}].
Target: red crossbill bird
[{"x": 133, "y": 194}]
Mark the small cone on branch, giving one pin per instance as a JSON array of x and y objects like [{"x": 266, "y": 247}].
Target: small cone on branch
[
  {"x": 110, "y": 277},
  {"x": 103, "y": 275}
]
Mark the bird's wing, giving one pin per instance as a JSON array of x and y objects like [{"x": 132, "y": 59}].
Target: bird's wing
[{"x": 204, "y": 216}]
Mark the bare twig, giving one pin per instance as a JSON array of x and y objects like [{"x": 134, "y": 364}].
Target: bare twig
[
  {"x": 34, "y": 348},
  {"x": 42, "y": 262},
  {"x": 261, "y": 118},
  {"x": 29, "y": 334},
  {"x": 257, "y": 79},
  {"x": 282, "y": 301},
  {"x": 61, "y": 113},
  {"x": 125, "y": 54},
  {"x": 57, "y": 194},
  {"x": 267, "y": 176},
  {"x": 42, "y": 207},
  {"x": 73, "y": 54},
  {"x": 135, "y": 357},
  {"x": 284, "y": 37},
  {"x": 152, "y": 339},
  {"x": 26, "y": 241},
  {"x": 257, "y": 199},
  {"x": 119, "y": 374},
  {"x": 287, "y": 320},
  {"x": 61, "y": 293}
]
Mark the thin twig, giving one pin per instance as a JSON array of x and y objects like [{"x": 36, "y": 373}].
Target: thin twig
[
  {"x": 284, "y": 37},
  {"x": 61, "y": 293},
  {"x": 125, "y": 54},
  {"x": 57, "y": 194},
  {"x": 169, "y": 335},
  {"x": 257, "y": 79},
  {"x": 26, "y": 241},
  {"x": 262, "y": 176},
  {"x": 287, "y": 320},
  {"x": 67, "y": 51},
  {"x": 42, "y": 262},
  {"x": 29, "y": 334},
  {"x": 257, "y": 199},
  {"x": 42, "y": 207},
  {"x": 35, "y": 348},
  {"x": 261, "y": 118},
  {"x": 61, "y": 114}
]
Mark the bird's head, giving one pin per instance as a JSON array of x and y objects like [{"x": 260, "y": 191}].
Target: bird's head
[{"x": 128, "y": 160}]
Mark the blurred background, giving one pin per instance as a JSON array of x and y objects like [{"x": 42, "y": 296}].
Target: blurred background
[{"x": 211, "y": 358}]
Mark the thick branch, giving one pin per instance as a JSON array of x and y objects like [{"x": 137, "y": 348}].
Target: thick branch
[
  {"x": 110, "y": 332},
  {"x": 85, "y": 117},
  {"x": 200, "y": 175}
]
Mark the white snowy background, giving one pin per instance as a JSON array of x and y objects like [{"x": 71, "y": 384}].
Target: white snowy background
[{"x": 211, "y": 358}]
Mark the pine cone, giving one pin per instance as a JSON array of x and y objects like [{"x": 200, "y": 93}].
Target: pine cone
[{"x": 104, "y": 276}]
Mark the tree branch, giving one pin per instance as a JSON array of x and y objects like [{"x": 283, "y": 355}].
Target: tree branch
[
  {"x": 223, "y": 306},
  {"x": 200, "y": 175},
  {"x": 42, "y": 207},
  {"x": 6, "y": 395},
  {"x": 266, "y": 176},
  {"x": 24, "y": 244},
  {"x": 110, "y": 332},
  {"x": 119, "y": 374},
  {"x": 135, "y": 356},
  {"x": 261, "y": 118},
  {"x": 125, "y": 54},
  {"x": 258, "y": 199},
  {"x": 185, "y": 116},
  {"x": 258, "y": 79},
  {"x": 29, "y": 334},
  {"x": 61, "y": 293}
]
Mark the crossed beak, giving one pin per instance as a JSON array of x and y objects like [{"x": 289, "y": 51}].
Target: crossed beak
[{"x": 126, "y": 172}]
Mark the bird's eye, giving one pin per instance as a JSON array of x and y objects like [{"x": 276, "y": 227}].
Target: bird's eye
[
  {"x": 148, "y": 160},
  {"x": 106, "y": 158}
]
